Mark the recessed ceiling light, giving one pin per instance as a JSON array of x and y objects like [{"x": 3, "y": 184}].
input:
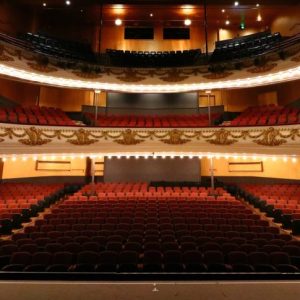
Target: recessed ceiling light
[
  {"x": 118, "y": 22},
  {"x": 227, "y": 22},
  {"x": 257, "y": 4},
  {"x": 187, "y": 22},
  {"x": 236, "y": 3},
  {"x": 223, "y": 10},
  {"x": 151, "y": 15},
  {"x": 68, "y": 2},
  {"x": 44, "y": 4}
]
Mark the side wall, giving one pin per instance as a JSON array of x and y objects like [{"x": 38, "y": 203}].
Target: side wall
[{"x": 271, "y": 169}]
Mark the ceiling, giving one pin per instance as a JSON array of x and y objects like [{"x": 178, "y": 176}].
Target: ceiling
[{"x": 143, "y": 12}]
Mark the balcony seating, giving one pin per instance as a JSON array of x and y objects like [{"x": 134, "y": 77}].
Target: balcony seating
[
  {"x": 35, "y": 115},
  {"x": 245, "y": 46},
  {"x": 267, "y": 115},
  {"x": 119, "y": 227},
  {"x": 59, "y": 48},
  {"x": 281, "y": 201},
  {"x": 150, "y": 121},
  {"x": 20, "y": 201},
  {"x": 155, "y": 59}
]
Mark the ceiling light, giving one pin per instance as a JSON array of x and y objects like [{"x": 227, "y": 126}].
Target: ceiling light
[
  {"x": 223, "y": 10},
  {"x": 236, "y": 3},
  {"x": 118, "y": 22},
  {"x": 44, "y": 4},
  {"x": 187, "y": 22},
  {"x": 227, "y": 22},
  {"x": 151, "y": 15},
  {"x": 257, "y": 4},
  {"x": 68, "y": 2}
]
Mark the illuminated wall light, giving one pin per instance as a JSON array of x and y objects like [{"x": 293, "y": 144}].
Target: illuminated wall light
[
  {"x": 259, "y": 18},
  {"x": 254, "y": 157},
  {"x": 81, "y": 156},
  {"x": 24, "y": 158},
  {"x": 285, "y": 159},
  {"x": 136, "y": 157},
  {"x": 118, "y": 156},
  {"x": 187, "y": 22},
  {"x": 13, "y": 158},
  {"x": 172, "y": 156},
  {"x": 72, "y": 156},
  {"x": 274, "y": 158},
  {"x": 4, "y": 159},
  {"x": 109, "y": 156},
  {"x": 181, "y": 156},
  {"x": 35, "y": 158},
  {"x": 118, "y": 22},
  {"x": 264, "y": 158},
  {"x": 63, "y": 157},
  {"x": 44, "y": 157},
  {"x": 294, "y": 160},
  {"x": 146, "y": 156},
  {"x": 127, "y": 156},
  {"x": 236, "y": 3},
  {"x": 191, "y": 156}
]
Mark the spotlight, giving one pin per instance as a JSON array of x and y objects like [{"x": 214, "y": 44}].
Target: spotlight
[
  {"x": 257, "y": 4},
  {"x": 68, "y": 2},
  {"x": 118, "y": 22},
  {"x": 44, "y": 4},
  {"x": 227, "y": 22},
  {"x": 236, "y": 3},
  {"x": 223, "y": 11},
  {"x": 151, "y": 15}
]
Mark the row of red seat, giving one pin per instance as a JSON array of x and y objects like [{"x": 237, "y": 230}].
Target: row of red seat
[
  {"x": 15, "y": 197},
  {"x": 283, "y": 197},
  {"x": 200, "y": 120},
  {"x": 267, "y": 115},
  {"x": 35, "y": 115}
]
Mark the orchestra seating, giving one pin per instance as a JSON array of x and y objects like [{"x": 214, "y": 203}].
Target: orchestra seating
[
  {"x": 110, "y": 227},
  {"x": 280, "y": 201},
  {"x": 245, "y": 46},
  {"x": 35, "y": 115},
  {"x": 200, "y": 120},
  {"x": 20, "y": 201},
  {"x": 267, "y": 115},
  {"x": 157, "y": 59}
]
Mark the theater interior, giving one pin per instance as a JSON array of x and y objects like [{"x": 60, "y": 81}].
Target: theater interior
[{"x": 149, "y": 149}]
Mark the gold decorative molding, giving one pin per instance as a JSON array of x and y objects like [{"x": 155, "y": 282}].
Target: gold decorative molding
[
  {"x": 41, "y": 68},
  {"x": 82, "y": 138},
  {"x": 13, "y": 135},
  {"x": 222, "y": 137},
  {"x": 270, "y": 138},
  {"x": 128, "y": 138},
  {"x": 34, "y": 137},
  {"x": 262, "y": 69},
  {"x": 219, "y": 75},
  {"x": 175, "y": 138}
]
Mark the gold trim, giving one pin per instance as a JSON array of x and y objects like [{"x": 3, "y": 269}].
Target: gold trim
[{"x": 34, "y": 136}]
